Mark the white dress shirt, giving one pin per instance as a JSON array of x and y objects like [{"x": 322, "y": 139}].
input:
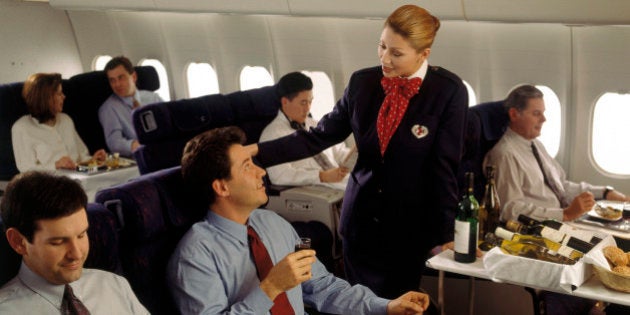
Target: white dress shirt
[
  {"x": 520, "y": 183},
  {"x": 100, "y": 291},
  {"x": 38, "y": 146},
  {"x": 305, "y": 171}
]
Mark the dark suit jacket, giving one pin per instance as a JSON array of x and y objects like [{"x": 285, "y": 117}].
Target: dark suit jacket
[{"x": 407, "y": 198}]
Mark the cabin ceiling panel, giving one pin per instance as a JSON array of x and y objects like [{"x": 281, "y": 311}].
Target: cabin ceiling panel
[
  {"x": 610, "y": 12},
  {"x": 546, "y": 11},
  {"x": 444, "y": 9}
]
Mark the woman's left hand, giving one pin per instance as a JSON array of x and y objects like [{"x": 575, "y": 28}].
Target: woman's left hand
[{"x": 99, "y": 155}]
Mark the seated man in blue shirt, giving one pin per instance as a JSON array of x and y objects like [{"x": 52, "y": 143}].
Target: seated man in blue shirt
[
  {"x": 115, "y": 113},
  {"x": 212, "y": 271},
  {"x": 46, "y": 223}
]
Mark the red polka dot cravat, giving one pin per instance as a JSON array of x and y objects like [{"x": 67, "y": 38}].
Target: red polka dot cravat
[{"x": 398, "y": 91}]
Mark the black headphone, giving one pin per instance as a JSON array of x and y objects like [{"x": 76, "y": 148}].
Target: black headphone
[{"x": 296, "y": 125}]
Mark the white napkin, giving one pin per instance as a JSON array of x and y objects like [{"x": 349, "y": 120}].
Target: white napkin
[{"x": 503, "y": 267}]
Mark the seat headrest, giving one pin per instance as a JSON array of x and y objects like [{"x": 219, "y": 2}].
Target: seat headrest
[
  {"x": 182, "y": 119},
  {"x": 12, "y": 107},
  {"x": 494, "y": 119},
  {"x": 154, "y": 203}
]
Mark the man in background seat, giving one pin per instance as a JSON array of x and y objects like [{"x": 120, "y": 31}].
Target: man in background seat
[
  {"x": 215, "y": 268},
  {"x": 115, "y": 113},
  {"x": 46, "y": 223},
  {"x": 530, "y": 182},
  {"x": 526, "y": 186},
  {"x": 296, "y": 97}
]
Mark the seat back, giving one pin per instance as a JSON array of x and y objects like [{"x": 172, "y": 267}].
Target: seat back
[
  {"x": 485, "y": 126},
  {"x": 164, "y": 128},
  {"x": 155, "y": 210},
  {"x": 12, "y": 107},
  {"x": 103, "y": 236},
  {"x": 85, "y": 93}
]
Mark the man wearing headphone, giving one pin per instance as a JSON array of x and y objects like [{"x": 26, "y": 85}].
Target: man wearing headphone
[{"x": 296, "y": 97}]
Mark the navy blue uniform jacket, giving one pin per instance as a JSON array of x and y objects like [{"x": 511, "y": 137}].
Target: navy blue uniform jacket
[{"x": 408, "y": 197}]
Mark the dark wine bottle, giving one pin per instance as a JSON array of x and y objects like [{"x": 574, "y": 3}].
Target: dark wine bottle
[
  {"x": 490, "y": 207},
  {"x": 467, "y": 225}
]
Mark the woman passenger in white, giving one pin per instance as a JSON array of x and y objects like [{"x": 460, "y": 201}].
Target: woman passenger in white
[{"x": 46, "y": 139}]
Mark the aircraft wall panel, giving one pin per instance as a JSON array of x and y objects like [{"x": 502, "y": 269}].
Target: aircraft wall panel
[
  {"x": 602, "y": 63},
  {"x": 35, "y": 38},
  {"x": 96, "y": 35}
]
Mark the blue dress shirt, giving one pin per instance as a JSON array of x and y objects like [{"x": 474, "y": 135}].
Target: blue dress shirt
[
  {"x": 100, "y": 291},
  {"x": 211, "y": 272},
  {"x": 115, "y": 117}
]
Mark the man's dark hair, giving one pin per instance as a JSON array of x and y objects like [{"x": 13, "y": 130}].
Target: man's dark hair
[
  {"x": 120, "y": 61},
  {"x": 35, "y": 195},
  {"x": 519, "y": 96},
  {"x": 291, "y": 84},
  {"x": 206, "y": 158}
]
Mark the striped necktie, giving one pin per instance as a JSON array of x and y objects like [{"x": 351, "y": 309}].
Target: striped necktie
[
  {"x": 548, "y": 181},
  {"x": 71, "y": 305}
]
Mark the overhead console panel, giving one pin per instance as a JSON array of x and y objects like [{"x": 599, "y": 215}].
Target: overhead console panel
[{"x": 587, "y": 12}]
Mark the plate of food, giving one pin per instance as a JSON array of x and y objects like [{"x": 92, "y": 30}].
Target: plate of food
[
  {"x": 607, "y": 210},
  {"x": 91, "y": 166}
]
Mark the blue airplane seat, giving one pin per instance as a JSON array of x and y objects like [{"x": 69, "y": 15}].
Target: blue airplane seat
[
  {"x": 12, "y": 107},
  {"x": 485, "y": 126},
  {"x": 86, "y": 92},
  {"x": 164, "y": 128},
  {"x": 103, "y": 236},
  {"x": 154, "y": 210}
]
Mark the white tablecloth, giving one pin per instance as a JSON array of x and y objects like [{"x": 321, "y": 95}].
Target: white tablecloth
[{"x": 93, "y": 182}]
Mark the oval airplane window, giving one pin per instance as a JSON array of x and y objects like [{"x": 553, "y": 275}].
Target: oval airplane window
[
  {"x": 99, "y": 62},
  {"x": 255, "y": 77},
  {"x": 323, "y": 95},
  {"x": 610, "y": 119},
  {"x": 472, "y": 96},
  {"x": 550, "y": 134},
  {"x": 201, "y": 79},
  {"x": 164, "y": 90}
]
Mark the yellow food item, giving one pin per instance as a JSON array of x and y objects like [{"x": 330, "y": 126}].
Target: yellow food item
[
  {"x": 624, "y": 270},
  {"x": 615, "y": 256}
]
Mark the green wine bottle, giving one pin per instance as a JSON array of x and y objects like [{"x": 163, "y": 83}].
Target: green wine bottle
[{"x": 467, "y": 225}]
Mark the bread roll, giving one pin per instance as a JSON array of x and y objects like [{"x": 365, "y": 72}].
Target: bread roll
[{"x": 615, "y": 256}]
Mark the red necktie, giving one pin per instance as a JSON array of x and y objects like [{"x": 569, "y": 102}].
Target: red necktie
[
  {"x": 398, "y": 91},
  {"x": 71, "y": 305},
  {"x": 136, "y": 104},
  {"x": 281, "y": 305}
]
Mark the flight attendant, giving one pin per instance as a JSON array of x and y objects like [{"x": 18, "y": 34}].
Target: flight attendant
[{"x": 408, "y": 122}]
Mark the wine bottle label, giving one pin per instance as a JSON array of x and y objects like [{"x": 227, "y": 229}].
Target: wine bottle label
[
  {"x": 565, "y": 251},
  {"x": 462, "y": 235},
  {"x": 578, "y": 244},
  {"x": 503, "y": 233},
  {"x": 552, "y": 234}
]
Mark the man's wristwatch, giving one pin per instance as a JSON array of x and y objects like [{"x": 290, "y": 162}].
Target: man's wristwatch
[{"x": 607, "y": 189}]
